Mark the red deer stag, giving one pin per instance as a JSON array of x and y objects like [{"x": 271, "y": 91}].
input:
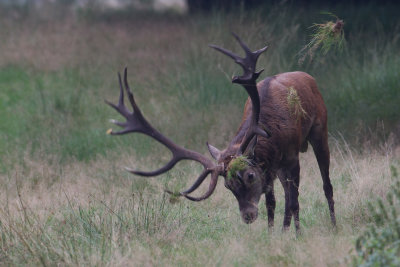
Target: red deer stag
[{"x": 266, "y": 145}]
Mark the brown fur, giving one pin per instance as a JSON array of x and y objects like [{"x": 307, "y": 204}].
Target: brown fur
[{"x": 278, "y": 156}]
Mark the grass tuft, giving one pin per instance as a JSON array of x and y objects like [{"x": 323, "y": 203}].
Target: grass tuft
[
  {"x": 237, "y": 164},
  {"x": 294, "y": 102},
  {"x": 326, "y": 36}
]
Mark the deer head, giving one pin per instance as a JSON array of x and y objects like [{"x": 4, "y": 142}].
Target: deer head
[{"x": 243, "y": 177}]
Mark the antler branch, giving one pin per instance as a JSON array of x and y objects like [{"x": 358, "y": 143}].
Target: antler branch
[
  {"x": 136, "y": 122},
  {"x": 248, "y": 81}
]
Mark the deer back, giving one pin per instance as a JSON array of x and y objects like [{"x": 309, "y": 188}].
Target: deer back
[{"x": 288, "y": 123}]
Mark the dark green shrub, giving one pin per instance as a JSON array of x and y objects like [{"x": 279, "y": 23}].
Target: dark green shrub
[{"x": 379, "y": 245}]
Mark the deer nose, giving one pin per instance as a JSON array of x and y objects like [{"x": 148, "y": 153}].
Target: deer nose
[{"x": 249, "y": 217}]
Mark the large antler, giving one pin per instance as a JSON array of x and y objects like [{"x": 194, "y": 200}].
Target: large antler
[
  {"x": 135, "y": 122},
  {"x": 248, "y": 81}
]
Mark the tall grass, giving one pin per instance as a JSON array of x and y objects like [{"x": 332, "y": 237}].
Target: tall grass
[
  {"x": 96, "y": 214},
  {"x": 66, "y": 199}
]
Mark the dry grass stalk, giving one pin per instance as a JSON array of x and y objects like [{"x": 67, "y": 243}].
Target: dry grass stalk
[
  {"x": 326, "y": 36},
  {"x": 294, "y": 103}
]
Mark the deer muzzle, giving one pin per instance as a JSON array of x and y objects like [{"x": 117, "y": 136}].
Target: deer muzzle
[{"x": 248, "y": 211}]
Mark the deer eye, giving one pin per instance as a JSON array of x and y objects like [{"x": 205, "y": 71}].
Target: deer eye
[{"x": 250, "y": 175}]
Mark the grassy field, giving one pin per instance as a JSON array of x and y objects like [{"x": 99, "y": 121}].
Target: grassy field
[{"x": 67, "y": 200}]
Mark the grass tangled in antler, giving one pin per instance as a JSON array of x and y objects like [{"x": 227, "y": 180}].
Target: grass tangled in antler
[
  {"x": 326, "y": 36},
  {"x": 236, "y": 165}
]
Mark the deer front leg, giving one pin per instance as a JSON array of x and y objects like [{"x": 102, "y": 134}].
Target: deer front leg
[
  {"x": 290, "y": 179},
  {"x": 270, "y": 203}
]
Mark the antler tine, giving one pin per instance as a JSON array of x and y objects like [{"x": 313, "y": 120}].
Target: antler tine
[
  {"x": 260, "y": 51},
  {"x": 197, "y": 183},
  {"x": 121, "y": 92},
  {"x": 248, "y": 81},
  {"x": 163, "y": 169},
  {"x": 224, "y": 51},
  {"x": 243, "y": 45},
  {"x": 247, "y": 50},
  {"x": 136, "y": 122},
  {"x": 248, "y": 63},
  {"x": 211, "y": 188},
  {"x": 120, "y": 108},
  {"x": 130, "y": 94}
]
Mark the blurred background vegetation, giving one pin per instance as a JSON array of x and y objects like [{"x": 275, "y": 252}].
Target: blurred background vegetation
[{"x": 58, "y": 61}]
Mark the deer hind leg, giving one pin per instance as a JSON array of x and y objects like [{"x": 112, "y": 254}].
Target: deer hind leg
[
  {"x": 270, "y": 203},
  {"x": 319, "y": 142},
  {"x": 304, "y": 147},
  {"x": 290, "y": 179}
]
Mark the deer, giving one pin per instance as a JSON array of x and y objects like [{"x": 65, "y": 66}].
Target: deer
[{"x": 266, "y": 145}]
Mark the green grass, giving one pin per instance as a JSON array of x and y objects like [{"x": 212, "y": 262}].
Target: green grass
[
  {"x": 96, "y": 214},
  {"x": 53, "y": 88},
  {"x": 66, "y": 198}
]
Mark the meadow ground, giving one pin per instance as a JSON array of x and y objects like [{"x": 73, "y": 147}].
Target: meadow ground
[{"x": 65, "y": 196}]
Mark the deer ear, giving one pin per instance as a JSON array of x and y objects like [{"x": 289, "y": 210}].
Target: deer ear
[
  {"x": 215, "y": 152},
  {"x": 249, "y": 152}
]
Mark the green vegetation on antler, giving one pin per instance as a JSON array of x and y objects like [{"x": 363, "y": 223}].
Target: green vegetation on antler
[{"x": 236, "y": 165}]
